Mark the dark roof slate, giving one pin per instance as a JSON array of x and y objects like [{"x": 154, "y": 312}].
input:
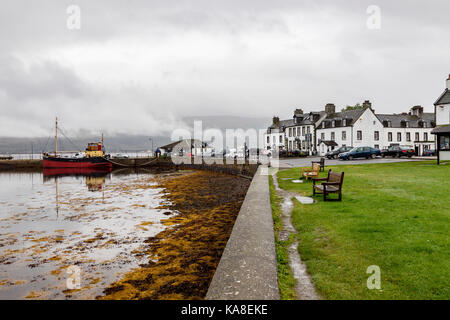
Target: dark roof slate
[
  {"x": 329, "y": 143},
  {"x": 396, "y": 119},
  {"x": 444, "y": 98}
]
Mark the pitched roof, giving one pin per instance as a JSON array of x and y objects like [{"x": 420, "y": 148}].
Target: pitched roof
[
  {"x": 351, "y": 115},
  {"x": 188, "y": 143},
  {"x": 396, "y": 119},
  {"x": 329, "y": 143},
  {"x": 443, "y": 129},
  {"x": 283, "y": 123},
  {"x": 444, "y": 98}
]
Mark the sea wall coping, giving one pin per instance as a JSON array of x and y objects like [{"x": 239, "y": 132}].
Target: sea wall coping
[{"x": 248, "y": 267}]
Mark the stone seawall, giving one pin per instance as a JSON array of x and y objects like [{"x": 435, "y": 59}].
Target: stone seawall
[{"x": 248, "y": 267}]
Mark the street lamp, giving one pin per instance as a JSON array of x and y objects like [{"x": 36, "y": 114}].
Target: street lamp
[{"x": 151, "y": 139}]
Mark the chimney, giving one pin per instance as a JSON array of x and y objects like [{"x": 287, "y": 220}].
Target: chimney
[
  {"x": 330, "y": 108},
  {"x": 417, "y": 111},
  {"x": 298, "y": 111},
  {"x": 276, "y": 120},
  {"x": 448, "y": 82}
]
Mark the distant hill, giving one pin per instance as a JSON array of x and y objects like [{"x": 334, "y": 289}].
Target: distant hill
[
  {"x": 124, "y": 143},
  {"x": 229, "y": 122}
]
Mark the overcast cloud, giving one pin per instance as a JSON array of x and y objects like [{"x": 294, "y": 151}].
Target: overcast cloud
[{"x": 139, "y": 67}]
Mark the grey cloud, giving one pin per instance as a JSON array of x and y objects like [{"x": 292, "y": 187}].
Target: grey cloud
[{"x": 171, "y": 59}]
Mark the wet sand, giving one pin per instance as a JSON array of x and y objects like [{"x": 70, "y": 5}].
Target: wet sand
[{"x": 182, "y": 259}]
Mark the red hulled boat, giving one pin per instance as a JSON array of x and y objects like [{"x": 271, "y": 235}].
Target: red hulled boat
[{"x": 94, "y": 157}]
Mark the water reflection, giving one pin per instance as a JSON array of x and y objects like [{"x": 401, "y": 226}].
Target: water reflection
[{"x": 56, "y": 218}]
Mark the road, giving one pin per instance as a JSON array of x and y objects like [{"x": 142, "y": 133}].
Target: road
[{"x": 304, "y": 162}]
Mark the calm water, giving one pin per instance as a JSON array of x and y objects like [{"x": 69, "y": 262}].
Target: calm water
[{"x": 70, "y": 236}]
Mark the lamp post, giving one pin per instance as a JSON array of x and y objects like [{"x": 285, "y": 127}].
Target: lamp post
[{"x": 151, "y": 139}]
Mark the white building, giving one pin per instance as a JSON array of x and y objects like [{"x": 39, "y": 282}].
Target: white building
[
  {"x": 326, "y": 130},
  {"x": 355, "y": 128},
  {"x": 409, "y": 129},
  {"x": 275, "y": 137},
  {"x": 442, "y": 131},
  {"x": 301, "y": 134}
]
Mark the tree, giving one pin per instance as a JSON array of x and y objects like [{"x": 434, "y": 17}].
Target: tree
[{"x": 355, "y": 107}]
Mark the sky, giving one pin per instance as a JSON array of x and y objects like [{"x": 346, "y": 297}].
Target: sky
[{"x": 140, "y": 67}]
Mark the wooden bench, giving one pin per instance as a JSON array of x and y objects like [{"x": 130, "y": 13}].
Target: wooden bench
[
  {"x": 331, "y": 184},
  {"x": 311, "y": 172},
  {"x": 321, "y": 162}
]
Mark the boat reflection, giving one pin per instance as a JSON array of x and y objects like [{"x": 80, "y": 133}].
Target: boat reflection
[{"x": 95, "y": 178}]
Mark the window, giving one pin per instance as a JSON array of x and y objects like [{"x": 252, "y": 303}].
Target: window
[
  {"x": 323, "y": 124},
  {"x": 444, "y": 143},
  {"x": 376, "y": 135},
  {"x": 308, "y": 130},
  {"x": 389, "y": 136},
  {"x": 408, "y": 136},
  {"x": 332, "y": 136},
  {"x": 425, "y": 136},
  {"x": 344, "y": 122},
  {"x": 290, "y": 132},
  {"x": 333, "y": 123},
  {"x": 359, "y": 135},
  {"x": 399, "y": 136},
  {"x": 417, "y": 137},
  {"x": 344, "y": 135},
  {"x": 377, "y": 146},
  {"x": 290, "y": 145},
  {"x": 303, "y": 131},
  {"x": 281, "y": 139},
  {"x": 322, "y": 136},
  {"x": 268, "y": 139}
]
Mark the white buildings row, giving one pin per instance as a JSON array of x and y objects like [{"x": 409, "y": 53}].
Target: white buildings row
[
  {"x": 442, "y": 130},
  {"x": 320, "y": 132}
]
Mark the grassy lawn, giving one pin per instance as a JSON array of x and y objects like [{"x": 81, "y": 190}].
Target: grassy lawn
[{"x": 393, "y": 215}]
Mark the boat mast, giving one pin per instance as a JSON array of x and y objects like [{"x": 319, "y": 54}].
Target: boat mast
[{"x": 56, "y": 136}]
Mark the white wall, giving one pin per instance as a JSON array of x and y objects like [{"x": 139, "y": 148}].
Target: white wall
[
  {"x": 274, "y": 140},
  {"x": 368, "y": 123},
  {"x": 443, "y": 115}
]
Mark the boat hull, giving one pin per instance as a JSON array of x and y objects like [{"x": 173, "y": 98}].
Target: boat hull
[{"x": 92, "y": 162}]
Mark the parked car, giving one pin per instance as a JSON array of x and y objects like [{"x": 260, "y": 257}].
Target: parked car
[
  {"x": 121, "y": 156},
  {"x": 360, "y": 152},
  {"x": 398, "y": 152},
  {"x": 428, "y": 153},
  {"x": 335, "y": 153}
]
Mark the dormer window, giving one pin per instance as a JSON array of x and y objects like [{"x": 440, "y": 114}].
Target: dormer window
[
  {"x": 344, "y": 122},
  {"x": 323, "y": 124},
  {"x": 333, "y": 123}
]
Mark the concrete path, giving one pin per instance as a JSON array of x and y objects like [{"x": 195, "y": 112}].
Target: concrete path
[
  {"x": 248, "y": 267},
  {"x": 304, "y": 288}
]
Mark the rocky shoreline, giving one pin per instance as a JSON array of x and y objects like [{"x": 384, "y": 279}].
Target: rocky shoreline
[{"x": 183, "y": 258}]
